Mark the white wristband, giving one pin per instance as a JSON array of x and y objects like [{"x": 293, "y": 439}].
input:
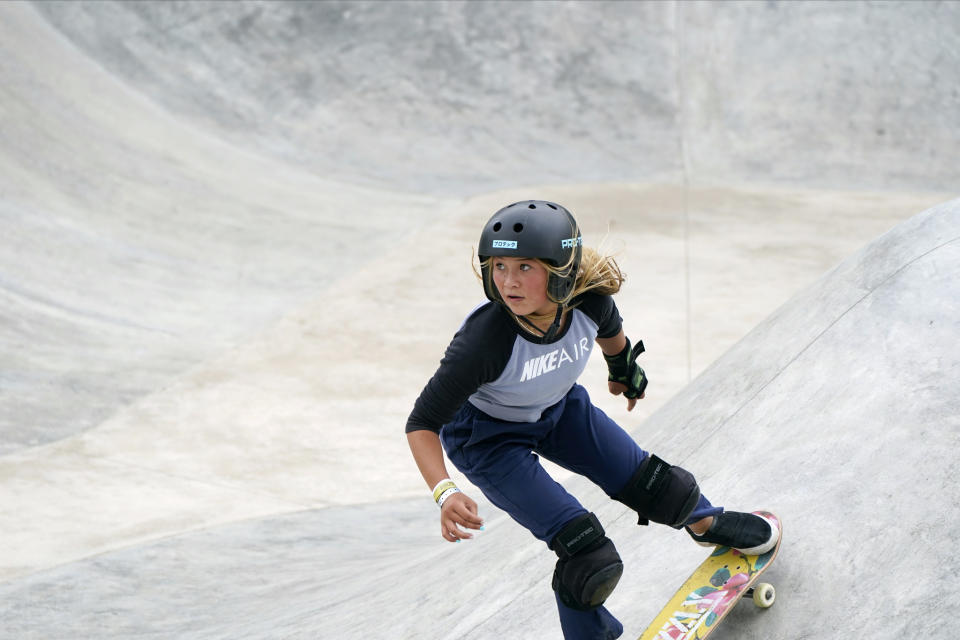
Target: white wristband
[{"x": 446, "y": 494}]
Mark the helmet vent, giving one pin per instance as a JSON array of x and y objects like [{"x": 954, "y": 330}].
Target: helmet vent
[
  {"x": 552, "y": 207},
  {"x": 531, "y": 206},
  {"x": 517, "y": 228},
  {"x": 497, "y": 226}
]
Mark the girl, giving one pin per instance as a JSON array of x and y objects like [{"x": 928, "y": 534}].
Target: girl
[{"x": 506, "y": 392}]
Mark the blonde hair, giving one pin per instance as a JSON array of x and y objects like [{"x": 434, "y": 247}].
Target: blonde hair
[{"x": 598, "y": 273}]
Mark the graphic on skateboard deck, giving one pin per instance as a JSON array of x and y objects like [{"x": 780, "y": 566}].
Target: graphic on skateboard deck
[{"x": 712, "y": 590}]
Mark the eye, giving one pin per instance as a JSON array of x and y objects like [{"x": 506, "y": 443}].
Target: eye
[
  {"x": 498, "y": 266},
  {"x": 525, "y": 267}
]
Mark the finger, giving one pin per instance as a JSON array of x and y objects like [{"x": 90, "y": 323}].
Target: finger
[
  {"x": 466, "y": 516},
  {"x": 631, "y": 403},
  {"x": 459, "y": 511},
  {"x": 463, "y": 510},
  {"x": 453, "y": 533},
  {"x": 472, "y": 522},
  {"x": 449, "y": 535}
]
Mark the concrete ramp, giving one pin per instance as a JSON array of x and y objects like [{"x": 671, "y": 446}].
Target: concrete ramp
[{"x": 839, "y": 412}]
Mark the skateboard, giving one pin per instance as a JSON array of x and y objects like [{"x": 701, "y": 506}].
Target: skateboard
[{"x": 711, "y": 592}]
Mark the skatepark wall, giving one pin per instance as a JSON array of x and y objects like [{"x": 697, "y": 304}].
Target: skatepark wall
[
  {"x": 202, "y": 152},
  {"x": 466, "y": 97}
]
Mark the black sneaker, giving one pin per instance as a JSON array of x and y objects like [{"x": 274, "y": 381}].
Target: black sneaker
[{"x": 748, "y": 533}]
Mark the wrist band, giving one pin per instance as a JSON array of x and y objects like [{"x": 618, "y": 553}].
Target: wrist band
[
  {"x": 444, "y": 489},
  {"x": 446, "y": 494},
  {"x": 442, "y": 486}
]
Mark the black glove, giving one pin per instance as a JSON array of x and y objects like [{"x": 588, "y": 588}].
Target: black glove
[{"x": 624, "y": 369}]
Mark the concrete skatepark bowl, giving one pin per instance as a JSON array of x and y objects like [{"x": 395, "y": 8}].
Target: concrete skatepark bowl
[{"x": 237, "y": 237}]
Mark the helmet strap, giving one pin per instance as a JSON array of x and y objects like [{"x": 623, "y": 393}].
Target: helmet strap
[
  {"x": 552, "y": 331},
  {"x": 555, "y": 327}
]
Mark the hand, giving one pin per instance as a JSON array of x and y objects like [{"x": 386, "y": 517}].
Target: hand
[
  {"x": 624, "y": 375},
  {"x": 617, "y": 388},
  {"x": 458, "y": 511}
]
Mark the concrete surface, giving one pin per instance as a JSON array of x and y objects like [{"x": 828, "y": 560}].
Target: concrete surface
[{"x": 237, "y": 237}]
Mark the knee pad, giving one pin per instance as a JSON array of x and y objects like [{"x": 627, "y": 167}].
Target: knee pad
[
  {"x": 589, "y": 567},
  {"x": 661, "y": 493}
]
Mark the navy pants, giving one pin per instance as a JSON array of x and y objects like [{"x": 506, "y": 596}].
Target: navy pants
[{"x": 501, "y": 459}]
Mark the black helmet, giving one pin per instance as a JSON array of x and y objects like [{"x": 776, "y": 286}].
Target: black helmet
[{"x": 533, "y": 229}]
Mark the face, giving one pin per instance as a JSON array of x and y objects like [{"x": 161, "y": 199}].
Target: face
[{"x": 522, "y": 284}]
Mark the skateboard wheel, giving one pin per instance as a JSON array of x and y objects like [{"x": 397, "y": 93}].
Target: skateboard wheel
[{"x": 764, "y": 594}]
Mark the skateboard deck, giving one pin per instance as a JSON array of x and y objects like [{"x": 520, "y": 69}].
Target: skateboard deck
[{"x": 711, "y": 592}]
